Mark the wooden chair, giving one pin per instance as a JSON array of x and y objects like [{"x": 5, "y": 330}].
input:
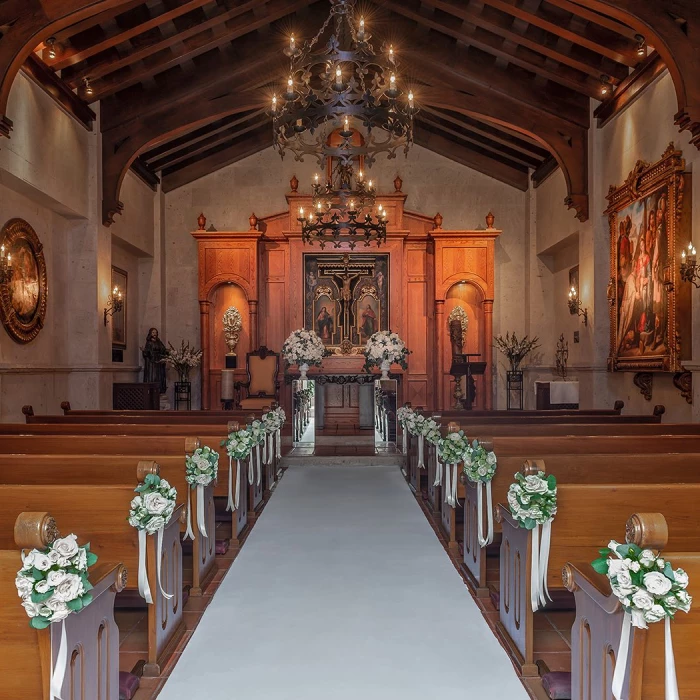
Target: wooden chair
[{"x": 262, "y": 387}]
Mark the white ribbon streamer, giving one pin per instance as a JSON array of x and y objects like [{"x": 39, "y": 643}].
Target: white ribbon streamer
[
  {"x": 264, "y": 449},
  {"x": 259, "y": 464},
  {"x": 484, "y": 541},
  {"x": 622, "y": 657},
  {"x": 438, "y": 473},
  {"x": 251, "y": 472},
  {"x": 59, "y": 668},
  {"x": 159, "y": 557},
  {"x": 451, "y": 485},
  {"x": 278, "y": 440},
  {"x": 201, "y": 516},
  {"x": 539, "y": 592},
  {"x": 238, "y": 484},
  {"x": 404, "y": 444},
  {"x": 230, "y": 504},
  {"x": 189, "y": 534},
  {"x": 144, "y": 588},
  {"x": 670, "y": 679},
  {"x": 421, "y": 463}
]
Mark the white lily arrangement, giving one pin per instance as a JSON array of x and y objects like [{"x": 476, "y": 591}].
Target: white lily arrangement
[
  {"x": 53, "y": 582},
  {"x": 183, "y": 359},
  {"x": 303, "y": 347},
  {"x": 533, "y": 504},
  {"x": 480, "y": 468},
  {"x": 650, "y": 590},
  {"x": 385, "y": 346},
  {"x": 452, "y": 450},
  {"x": 201, "y": 468}
]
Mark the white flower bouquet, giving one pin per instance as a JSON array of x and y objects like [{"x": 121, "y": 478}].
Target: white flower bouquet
[
  {"x": 479, "y": 465},
  {"x": 239, "y": 444},
  {"x": 257, "y": 432},
  {"x": 430, "y": 430},
  {"x": 385, "y": 346},
  {"x": 303, "y": 347},
  {"x": 272, "y": 421},
  {"x": 154, "y": 505},
  {"x": 647, "y": 585},
  {"x": 53, "y": 582},
  {"x": 403, "y": 414},
  {"x": 533, "y": 499},
  {"x": 202, "y": 467},
  {"x": 454, "y": 448}
]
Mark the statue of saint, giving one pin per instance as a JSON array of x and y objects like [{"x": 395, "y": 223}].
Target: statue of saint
[{"x": 154, "y": 353}]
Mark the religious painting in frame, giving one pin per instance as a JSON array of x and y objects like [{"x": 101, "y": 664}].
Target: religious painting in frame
[
  {"x": 346, "y": 295},
  {"x": 24, "y": 292},
  {"x": 119, "y": 279},
  {"x": 650, "y": 314}
]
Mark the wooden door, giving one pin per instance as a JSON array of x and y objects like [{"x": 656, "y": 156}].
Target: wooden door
[{"x": 342, "y": 405}]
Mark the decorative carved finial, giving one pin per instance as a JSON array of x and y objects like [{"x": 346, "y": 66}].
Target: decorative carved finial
[
  {"x": 253, "y": 221},
  {"x": 437, "y": 221},
  {"x": 34, "y": 530},
  {"x": 233, "y": 323},
  {"x": 398, "y": 183},
  {"x": 202, "y": 222},
  {"x": 490, "y": 218},
  {"x": 294, "y": 183}
]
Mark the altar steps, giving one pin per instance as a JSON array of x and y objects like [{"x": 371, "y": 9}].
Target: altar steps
[{"x": 343, "y": 455}]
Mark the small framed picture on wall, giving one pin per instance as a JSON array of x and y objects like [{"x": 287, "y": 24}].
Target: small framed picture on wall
[{"x": 119, "y": 281}]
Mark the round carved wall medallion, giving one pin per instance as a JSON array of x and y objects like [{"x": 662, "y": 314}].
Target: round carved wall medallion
[{"x": 23, "y": 294}]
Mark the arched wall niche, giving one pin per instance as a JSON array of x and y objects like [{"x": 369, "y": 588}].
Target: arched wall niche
[{"x": 222, "y": 297}]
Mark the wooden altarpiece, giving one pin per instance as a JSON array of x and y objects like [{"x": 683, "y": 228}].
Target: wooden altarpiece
[{"x": 431, "y": 270}]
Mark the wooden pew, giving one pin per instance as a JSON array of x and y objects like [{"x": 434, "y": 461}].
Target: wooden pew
[
  {"x": 119, "y": 469},
  {"x": 92, "y": 636},
  {"x": 99, "y": 514},
  {"x": 588, "y": 516},
  {"x": 596, "y": 631},
  {"x": 583, "y": 468}
]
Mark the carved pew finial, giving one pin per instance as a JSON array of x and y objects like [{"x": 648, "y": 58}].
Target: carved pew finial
[
  {"x": 65, "y": 406},
  {"x": 28, "y": 410},
  {"x": 192, "y": 444},
  {"x": 145, "y": 467},
  {"x": 452, "y": 427},
  {"x": 35, "y": 530},
  {"x": 647, "y": 530},
  {"x": 532, "y": 466},
  {"x": 233, "y": 426}
]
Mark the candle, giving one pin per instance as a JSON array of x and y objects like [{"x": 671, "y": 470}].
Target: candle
[
  {"x": 227, "y": 385},
  {"x": 347, "y": 124},
  {"x": 301, "y": 212}
]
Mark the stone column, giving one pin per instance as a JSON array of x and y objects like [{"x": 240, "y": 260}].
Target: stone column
[
  {"x": 440, "y": 383},
  {"x": 488, "y": 351},
  {"x": 254, "y": 340},
  {"x": 204, "y": 307}
]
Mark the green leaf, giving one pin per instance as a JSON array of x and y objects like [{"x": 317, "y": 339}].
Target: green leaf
[
  {"x": 668, "y": 572},
  {"x": 604, "y": 551},
  {"x": 86, "y": 547},
  {"x": 86, "y": 599},
  {"x": 91, "y": 559},
  {"x": 628, "y": 550},
  {"x": 600, "y": 565},
  {"x": 36, "y": 574},
  {"x": 529, "y": 523},
  {"x": 552, "y": 482},
  {"x": 75, "y": 605},
  {"x": 86, "y": 584},
  {"x": 39, "y": 623},
  {"x": 41, "y": 597}
]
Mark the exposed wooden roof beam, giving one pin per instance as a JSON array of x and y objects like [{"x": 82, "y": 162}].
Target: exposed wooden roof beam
[
  {"x": 621, "y": 50},
  {"x": 117, "y": 36},
  {"x": 236, "y": 150},
  {"x": 595, "y": 17},
  {"x": 95, "y": 20},
  {"x": 471, "y": 158}
]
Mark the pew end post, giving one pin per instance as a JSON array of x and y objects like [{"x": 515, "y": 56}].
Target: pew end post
[{"x": 65, "y": 407}]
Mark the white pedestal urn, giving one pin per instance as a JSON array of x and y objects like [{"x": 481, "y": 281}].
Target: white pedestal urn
[
  {"x": 303, "y": 368},
  {"x": 385, "y": 367}
]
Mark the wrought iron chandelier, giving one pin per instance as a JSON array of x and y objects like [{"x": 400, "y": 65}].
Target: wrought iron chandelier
[{"x": 343, "y": 102}]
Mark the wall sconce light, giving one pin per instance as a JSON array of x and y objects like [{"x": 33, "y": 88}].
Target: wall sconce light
[
  {"x": 115, "y": 303},
  {"x": 51, "y": 48},
  {"x": 575, "y": 306},
  {"x": 605, "y": 86},
  {"x": 87, "y": 87},
  {"x": 689, "y": 266},
  {"x": 5, "y": 265},
  {"x": 641, "y": 45}
]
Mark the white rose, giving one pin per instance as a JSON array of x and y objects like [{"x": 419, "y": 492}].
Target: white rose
[
  {"x": 671, "y": 601},
  {"x": 646, "y": 558},
  {"x": 643, "y": 600},
  {"x": 55, "y": 577},
  {"x": 42, "y": 562},
  {"x": 491, "y": 458},
  {"x": 615, "y": 566},
  {"x": 70, "y": 588},
  {"x": 155, "y": 523},
  {"x": 660, "y": 563},
  {"x": 136, "y": 502},
  {"x": 655, "y": 614},
  {"x": 624, "y": 583},
  {"x": 634, "y": 566},
  {"x": 613, "y": 545},
  {"x": 56, "y": 558},
  {"x": 66, "y": 546},
  {"x": 638, "y": 619},
  {"x": 203, "y": 479},
  {"x": 80, "y": 561},
  {"x": 60, "y": 610},
  {"x": 534, "y": 484},
  {"x": 154, "y": 503},
  {"x": 33, "y": 609},
  {"x": 24, "y": 586},
  {"x": 684, "y": 601},
  {"x": 42, "y": 586},
  {"x": 656, "y": 583},
  {"x": 681, "y": 578}
]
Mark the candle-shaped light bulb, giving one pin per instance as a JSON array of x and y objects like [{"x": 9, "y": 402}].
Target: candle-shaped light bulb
[
  {"x": 339, "y": 74},
  {"x": 292, "y": 42},
  {"x": 2, "y": 249},
  {"x": 9, "y": 257},
  {"x": 274, "y": 103},
  {"x": 410, "y": 100},
  {"x": 391, "y": 51},
  {"x": 301, "y": 212},
  {"x": 346, "y": 124},
  {"x": 316, "y": 178},
  {"x": 392, "y": 81},
  {"x": 290, "y": 83},
  {"x": 318, "y": 206},
  {"x": 683, "y": 255},
  {"x": 360, "y": 177},
  {"x": 369, "y": 184},
  {"x": 352, "y": 205}
]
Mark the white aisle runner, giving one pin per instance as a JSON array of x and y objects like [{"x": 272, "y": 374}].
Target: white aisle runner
[{"x": 343, "y": 592}]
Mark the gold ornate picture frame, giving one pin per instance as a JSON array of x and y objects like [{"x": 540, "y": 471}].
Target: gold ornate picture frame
[
  {"x": 24, "y": 293},
  {"x": 650, "y": 312}
]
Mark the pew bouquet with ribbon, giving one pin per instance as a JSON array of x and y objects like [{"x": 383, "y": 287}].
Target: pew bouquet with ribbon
[
  {"x": 239, "y": 445},
  {"x": 480, "y": 468},
  {"x": 427, "y": 429},
  {"x": 53, "y": 583},
  {"x": 650, "y": 590},
  {"x": 273, "y": 421},
  {"x": 259, "y": 435},
  {"x": 201, "y": 468},
  {"x": 403, "y": 415},
  {"x": 150, "y": 511},
  {"x": 532, "y": 500},
  {"x": 452, "y": 451}
]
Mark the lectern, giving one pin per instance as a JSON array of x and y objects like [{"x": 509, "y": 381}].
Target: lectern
[{"x": 462, "y": 366}]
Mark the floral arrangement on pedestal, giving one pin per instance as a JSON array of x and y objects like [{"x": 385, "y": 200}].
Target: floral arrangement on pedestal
[
  {"x": 304, "y": 348},
  {"x": 239, "y": 445},
  {"x": 533, "y": 504},
  {"x": 383, "y": 349},
  {"x": 201, "y": 468},
  {"x": 53, "y": 582},
  {"x": 150, "y": 512},
  {"x": 480, "y": 468},
  {"x": 649, "y": 590},
  {"x": 452, "y": 451},
  {"x": 516, "y": 350},
  {"x": 183, "y": 359}
]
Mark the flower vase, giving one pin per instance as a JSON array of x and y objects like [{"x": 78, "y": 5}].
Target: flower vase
[
  {"x": 303, "y": 368},
  {"x": 385, "y": 367}
]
